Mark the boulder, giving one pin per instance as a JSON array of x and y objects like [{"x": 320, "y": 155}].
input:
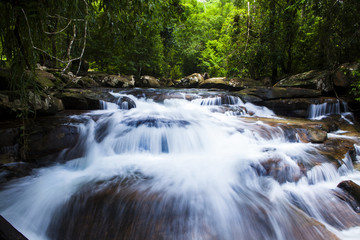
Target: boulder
[
  {"x": 351, "y": 188},
  {"x": 148, "y": 82},
  {"x": 85, "y": 99},
  {"x": 237, "y": 83},
  {"x": 344, "y": 74},
  {"x": 9, "y": 145},
  {"x": 190, "y": 81},
  {"x": 219, "y": 82},
  {"x": 292, "y": 102},
  {"x": 39, "y": 103},
  {"x": 315, "y": 135},
  {"x": 79, "y": 100},
  {"x": 319, "y": 80},
  {"x": 45, "y": 104},
  {"x": 45, "y": 79},
  {"x": 279, "y": 93},
  {"x": 292, "y": 107},
  {"x": 126, "y": 103},
  {"x": 48, "y": 140},
  {"x": 116, "y": 81},
  {"x": 87, "y": 82}
]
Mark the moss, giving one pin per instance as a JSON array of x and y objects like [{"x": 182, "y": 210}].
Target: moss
[{"x": 45, "y": 79}]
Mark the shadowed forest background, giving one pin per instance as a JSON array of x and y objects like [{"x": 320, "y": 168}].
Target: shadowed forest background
[{"x": 173, "y": 38}]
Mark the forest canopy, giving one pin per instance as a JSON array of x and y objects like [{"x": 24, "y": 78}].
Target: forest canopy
[{"x": 173, "y": 38}]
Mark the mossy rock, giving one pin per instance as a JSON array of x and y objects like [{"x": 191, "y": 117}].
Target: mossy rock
[
  {"x": 318, "y": 80},
  {"x": 45, "y": 79}
]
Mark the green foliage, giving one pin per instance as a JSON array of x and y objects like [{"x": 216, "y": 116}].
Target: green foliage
[
  {"x": 173, "y": 38},
  {"x": 355, "y": 75}
]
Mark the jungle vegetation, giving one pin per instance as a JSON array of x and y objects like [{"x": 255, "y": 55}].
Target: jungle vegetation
[{"x": 174, "y": 38}]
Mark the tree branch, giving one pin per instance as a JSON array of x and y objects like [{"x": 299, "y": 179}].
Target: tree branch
[{"x": 50, "y": 33}]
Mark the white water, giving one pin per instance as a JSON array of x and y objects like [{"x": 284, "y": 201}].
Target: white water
[
  {"x": 182, "y": 169},
  {"x": 320, "y": 111}
]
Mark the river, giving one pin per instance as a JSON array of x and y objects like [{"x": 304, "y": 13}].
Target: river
[{"x": 185, "y": 164}]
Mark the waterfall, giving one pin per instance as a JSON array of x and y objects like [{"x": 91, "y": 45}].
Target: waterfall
[
  {"x": 319, "y": 111},
  {"x": 182, "y": 168}
]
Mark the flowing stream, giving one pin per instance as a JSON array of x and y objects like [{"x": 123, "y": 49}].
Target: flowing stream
[{"x": 183, "y": 165}]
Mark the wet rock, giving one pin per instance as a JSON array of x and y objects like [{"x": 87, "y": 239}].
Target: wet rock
[
  {"x": 50, "y": 140},
  {"x": 326, "y": 207},
  {"x": 316, "y": 135},
  {"x": 94, "y": 212},
  {"x": 148, "y": 82},
  {"x": 15, "y": 170},
  {"x": 280, "y": 93},
  {"x": 219, "y": 82},
  {"x": 319, "y": 80},
  {"x": 294, "y": 107},
  {"x": 80, "y": 100},
  {"x": 335, "y": 149},
  {"x": 353, "y": 189},
  {"x": 190, "y": 81},
  {"x": 8, "y": 232},
  {"x": 277, "y": 169},
  {"x": 348, "y": 198},
  {"x": 9, "y": 144},
  {"x": 126, "y": 103}
]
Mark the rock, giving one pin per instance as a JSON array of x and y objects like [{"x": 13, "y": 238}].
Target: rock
[
  {"x": 206, "y": 76},
  {"x": 190, "y": 81},
  {"x": 148, "y": 82},
  {"x": 126, "y": 103},
  {"x": 9, "y": 145},
  {"x": 45, "y": 79},
  {"x": 15, "y": 170},
  {"x": 79, "y": 101},
  {"x": 39, "y": 103},
  {"x": 351, "y": 188},
  {"x": 293, "y": 102},
  {"x": 346, "y": 197},
  {"x": 343, "y": 75},
  {"x": 85, "y": 99},
  {"x": 316, "y": 135},
  {"x": 219, "y": 82},
  {"x": 118, "y": 81},
  {"x": 319, "y": 80},
  {"x": 8, "y": 232},
  {"x": 87, "y": 82},
  {"x": 241, "y": 83},
  {"x": 293, "y": 107},
  {"x": 48, "y": 140},
  {"x": 266, "y": 81},
  {"x": 280, "y": 93},
  {"x": 45, "y": 104},
  {"x": 305, "y": 134}
]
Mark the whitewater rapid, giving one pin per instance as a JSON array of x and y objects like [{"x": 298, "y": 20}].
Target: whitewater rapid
[{"x": 183, "y": 168}]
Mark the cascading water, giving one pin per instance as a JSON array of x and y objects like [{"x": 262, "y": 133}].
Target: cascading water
[
  {"x": 180, "y": 169},
  {"x": 319, "y": 111}
]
